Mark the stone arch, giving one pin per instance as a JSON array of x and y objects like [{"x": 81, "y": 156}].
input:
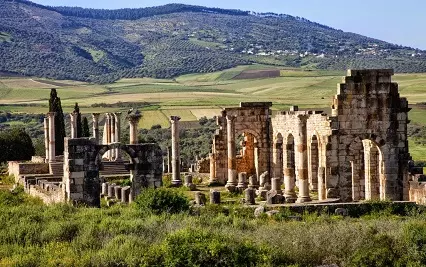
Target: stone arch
[
  {"x": 365, "y": 160},
  {"x": 81, "y": 168}
]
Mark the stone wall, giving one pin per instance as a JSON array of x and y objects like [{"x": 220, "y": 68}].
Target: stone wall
[
  {"x": 18, "y": 169},
  {"x": 48, "y": 197},
  {"x": 358, "y": 152},
  {"x": 203, "y": 165}
]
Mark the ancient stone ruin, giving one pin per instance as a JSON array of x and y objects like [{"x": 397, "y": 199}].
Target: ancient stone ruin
[{"x": 358, "y": 152}]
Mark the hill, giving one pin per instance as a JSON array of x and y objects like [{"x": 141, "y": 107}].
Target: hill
[{"x": 167, "y": 41}]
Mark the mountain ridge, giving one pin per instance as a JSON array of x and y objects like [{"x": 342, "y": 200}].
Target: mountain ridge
[{"x": 174, "y": 39}]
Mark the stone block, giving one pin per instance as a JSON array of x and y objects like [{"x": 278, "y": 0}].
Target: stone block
[
  {"x": 214, "y": 197},
  {"x": 250, "y": 196},
  {"x": 200, "y": 199}
]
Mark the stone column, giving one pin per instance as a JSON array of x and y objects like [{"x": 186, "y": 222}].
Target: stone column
[
  {"x": 52, "y": 142},
  {"x": 108, "y": 133},
  {"x": 175, "y": 151},
  {"x": 302, "y": 163},
  {"x": 117, "y": 116},
  {"x": 278, "y": 160},
  {"x": 289, "y": 178},
  {"x": 321, "y": 183},
  {"x": 112, "y": 125},
  {"x": 73, "y": 117},
  {"x": 212, "y": 179},
  {"x": 46, "y": 139},
  {"x": 134, "y": 122},
  {"x": 169, "y": 159},
  {"x": 232, "y": 163},
  {"x": 95, "y": 127}
]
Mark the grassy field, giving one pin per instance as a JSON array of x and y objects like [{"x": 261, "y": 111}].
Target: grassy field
[{"x": 194, "y": 96}]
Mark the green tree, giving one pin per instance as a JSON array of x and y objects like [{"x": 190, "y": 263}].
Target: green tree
[
  {"x": 86, "y": 131},
  {"x": 55, "y": 106},
  {"x": 15, "y": 144},
  {"x": 79, "y": 125}
]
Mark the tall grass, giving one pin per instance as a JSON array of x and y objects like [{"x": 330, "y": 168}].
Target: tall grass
[{"x": 33, "y": 234}]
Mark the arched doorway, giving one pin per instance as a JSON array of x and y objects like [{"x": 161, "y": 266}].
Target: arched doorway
[{"x": 247, "y": 157}]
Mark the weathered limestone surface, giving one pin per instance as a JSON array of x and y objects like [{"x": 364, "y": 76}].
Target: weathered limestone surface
[
  {"x": 82, "y": 159},
  {"x": 358, "y": 152}
]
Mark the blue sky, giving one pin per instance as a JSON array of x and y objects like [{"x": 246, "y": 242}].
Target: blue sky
[{"x": 395, "y": 21}]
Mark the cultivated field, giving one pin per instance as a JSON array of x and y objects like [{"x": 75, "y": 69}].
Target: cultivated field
[{"x": 193, "y": 96}]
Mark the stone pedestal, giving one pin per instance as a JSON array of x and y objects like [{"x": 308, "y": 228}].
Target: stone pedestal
[
  {"x": 253, "y": 182},
  {"x": 104, "y": 189},
  {"x": 117, "y": 192},
  {"x": 264, "y": 181},
  {"x": 200, "y": 199},
  {"x": 188, "y": 182},
  {"x": 214, "y": 197},
  {"x": 111, "y": 190},
  {"x": 176, "y": 180},
  {"x": 125, "y": 194},
  {"x": 276, "y": 185},
  {"x": 250, "y": 196},
  {"x": 242, "y": 180}
]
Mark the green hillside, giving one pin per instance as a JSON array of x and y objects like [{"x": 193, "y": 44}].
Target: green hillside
[{"x": 167, "y": 41}]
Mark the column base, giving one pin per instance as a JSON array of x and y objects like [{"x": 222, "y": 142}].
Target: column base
[
  {"x": 290, "y": 197},
  {"x": 176, "y": 183},
  {"x": 303, "y": 199},
  {"x": 231, "y": 187}
]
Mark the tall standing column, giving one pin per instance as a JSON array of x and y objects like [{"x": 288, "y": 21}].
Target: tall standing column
[
  {"x": 73, "y": 117},
  {"x": 134, "y": 122},
  {"x": 176, "y": 180},
  {"x": 117, "y": 116},
  {"x": 95, "y": 127},
  {"x": 46, "y": 139},
  {"x": 302, "y": 163},
  {"x": 52, "y": 143},
  {"x": 232, "y": 163},
  {"x": 108, "y": 133},
  {"x": 112, "y": 135}
]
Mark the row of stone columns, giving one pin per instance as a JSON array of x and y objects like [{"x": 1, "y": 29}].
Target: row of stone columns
[{"x": 112, "y": 133}]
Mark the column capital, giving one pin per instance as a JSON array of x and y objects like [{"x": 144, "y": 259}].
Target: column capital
[
  {"x": 230, "y": 118},
  {"x": 134, "y": 118},
  {"x": 96, "y": 115},
  {"x": 174, "y": 118},
  {"x": 51, "y": 114}
]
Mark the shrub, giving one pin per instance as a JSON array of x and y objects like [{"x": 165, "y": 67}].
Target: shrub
[
  {"x": 195, "y": 247},
  {"x": 162, "y": 200}
]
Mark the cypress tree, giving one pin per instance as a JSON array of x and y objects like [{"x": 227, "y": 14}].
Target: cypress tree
[
  {"x": 56, "y": 106},
  {"x": 86, "y": 130},
  {"x": 79, "y": 126}
]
